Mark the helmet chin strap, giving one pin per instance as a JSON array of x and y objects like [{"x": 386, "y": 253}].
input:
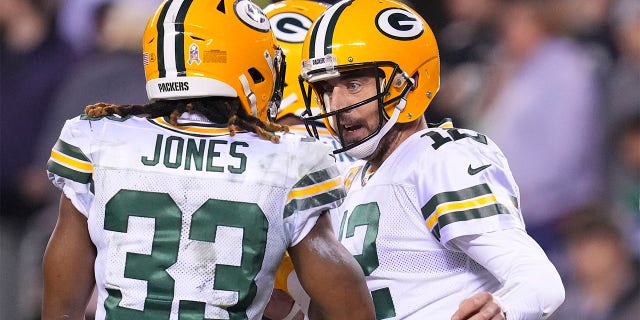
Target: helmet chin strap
[{"x": 368, "y": 147}]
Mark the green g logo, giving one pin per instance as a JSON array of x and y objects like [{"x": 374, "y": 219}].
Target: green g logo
[
  {"x": 399, "y": 24},
  {"x": 290, "y": 27}
]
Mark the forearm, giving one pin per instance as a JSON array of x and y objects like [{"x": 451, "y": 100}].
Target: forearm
[
  {"x": 339, "y": 294},
  {"x": 68, "y": 267},
  {"x": 66, "y": 293},
  {"x": 331, "y": 276},
  {"x": 531, "y": 285}
]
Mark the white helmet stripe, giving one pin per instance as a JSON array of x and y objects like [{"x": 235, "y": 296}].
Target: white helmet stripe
[
  {"x": 169, "y": 37},
  {"x": 324, "y": 29}
]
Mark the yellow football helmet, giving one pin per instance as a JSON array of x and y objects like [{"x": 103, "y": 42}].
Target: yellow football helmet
[
  {"x": 383, "y": 35},
  {"x": 203, "y": 48},
  {"x": 290, "y": 20}
]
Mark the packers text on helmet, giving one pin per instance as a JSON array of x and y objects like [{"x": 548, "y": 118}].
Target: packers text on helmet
[{"x": 203, "y": 48}]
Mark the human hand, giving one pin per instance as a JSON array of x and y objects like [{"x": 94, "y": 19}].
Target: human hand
[
  {"x": 282, "y": 306},
  {"x": 480, "y": 306}
]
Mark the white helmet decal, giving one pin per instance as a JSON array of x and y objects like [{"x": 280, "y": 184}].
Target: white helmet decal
[
  {"x": 290, "y": 26},
  {"x": 399, "y": 24},
  {"x": 251, "y": 15}
]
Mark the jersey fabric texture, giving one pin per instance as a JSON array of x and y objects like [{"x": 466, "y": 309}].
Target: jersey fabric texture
[
  {"x": 189, "y": 222},
  {"x": 439, "y": 184}
]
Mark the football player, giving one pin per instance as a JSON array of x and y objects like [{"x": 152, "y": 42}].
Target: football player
[
  {"x": 184, "y": 207},
  {"x": 432, "y": 215},
  {"x": 290, "y": 20}
]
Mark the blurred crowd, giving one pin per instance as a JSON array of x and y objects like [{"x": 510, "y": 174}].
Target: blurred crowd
[{"x": 556, "y": 83}]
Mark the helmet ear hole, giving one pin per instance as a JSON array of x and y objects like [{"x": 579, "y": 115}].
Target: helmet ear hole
[{"x": 256, "y": 76}]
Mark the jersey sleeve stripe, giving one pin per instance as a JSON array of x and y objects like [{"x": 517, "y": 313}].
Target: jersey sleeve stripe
[
  {"x": 466, "y": 215},
  {"x": 445, "y": 208},
  {"x": 319, "y": 200},
  {"x": 454, "y": 206},
  {"x": 72, "y": 163},
  {"x": 70, "y": 150},
  {"x": 65, "y": 172},
  {"x": 453, "y": 196},
  {"x": 318, "y": 176},
  {"x": 314, "y": 189},
  {"x": 68, "y": 161}
]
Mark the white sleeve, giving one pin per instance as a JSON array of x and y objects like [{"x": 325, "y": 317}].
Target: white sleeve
[
  {"x": 531, "y": 286},
  {"x": 70, "y": 167},
  {"x": 319, "y": 188}
]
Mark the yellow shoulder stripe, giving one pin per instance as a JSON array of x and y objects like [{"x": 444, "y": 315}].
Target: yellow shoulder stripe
[
  {"x": 315, "y": 188},
  {"x": 71, "y": 162},
  {"x": 460, "y": 206}
]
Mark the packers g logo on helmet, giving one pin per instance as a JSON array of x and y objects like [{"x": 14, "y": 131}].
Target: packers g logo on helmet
[
  {"x": 399, "y": 24},
  {"x": 290, "y": 26}
]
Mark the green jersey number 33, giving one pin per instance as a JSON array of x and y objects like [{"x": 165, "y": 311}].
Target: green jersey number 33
[{"x": 152, "y": 268}]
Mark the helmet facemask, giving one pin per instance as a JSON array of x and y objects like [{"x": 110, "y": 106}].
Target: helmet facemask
[
  {"x": 280, "y": 69},
  {"x": 392, "y": 85},
  {"x": 290, "y": 20}
]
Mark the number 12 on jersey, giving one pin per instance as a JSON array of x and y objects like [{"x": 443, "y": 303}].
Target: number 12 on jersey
[{"x": 368, "y": 215}]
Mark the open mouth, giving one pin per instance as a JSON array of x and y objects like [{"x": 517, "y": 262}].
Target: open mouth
[
  {"x": 352, "y": 132},
  {"x": 351, "y": 128}
]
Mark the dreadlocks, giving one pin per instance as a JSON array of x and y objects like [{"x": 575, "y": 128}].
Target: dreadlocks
[{"x": 216, "y": 109}]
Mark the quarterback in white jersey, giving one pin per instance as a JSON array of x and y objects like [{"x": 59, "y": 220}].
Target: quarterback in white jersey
[
  {"x": 431, "y": 214},
  {"x": 402, "y": 225},
  {"x": 183, "y": 208}
]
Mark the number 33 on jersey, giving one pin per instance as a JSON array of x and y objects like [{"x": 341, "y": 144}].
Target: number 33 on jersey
[{"x": 188, "y": 222}]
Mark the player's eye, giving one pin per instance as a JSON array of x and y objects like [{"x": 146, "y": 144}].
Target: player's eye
[{"x": 353, "y": 86}]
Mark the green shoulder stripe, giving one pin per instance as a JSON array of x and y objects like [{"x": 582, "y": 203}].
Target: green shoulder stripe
[
  {"x": 318, "y": 177},
  {"x": 70, "y": 150},
  {"x": 465, "y": 215},
  {"x": 58, "y": 169},
  {"x": 317, "y": 200},
  {"x": 450, "y": 196}
]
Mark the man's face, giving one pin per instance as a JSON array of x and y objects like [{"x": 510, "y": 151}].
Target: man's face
[{"x": 344, "y": 91}]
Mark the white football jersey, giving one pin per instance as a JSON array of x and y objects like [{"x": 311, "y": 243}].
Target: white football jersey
[
  {"x": 397, "y": 221},
  {"x": 189, "y": 222}
]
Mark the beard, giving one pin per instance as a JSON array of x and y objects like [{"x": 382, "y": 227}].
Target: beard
[{"x": 388, "y": 142}]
